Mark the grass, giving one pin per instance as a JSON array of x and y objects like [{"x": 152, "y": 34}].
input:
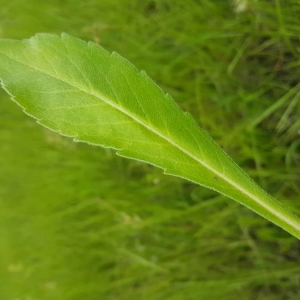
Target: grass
[{"x": 78, "y": 222}]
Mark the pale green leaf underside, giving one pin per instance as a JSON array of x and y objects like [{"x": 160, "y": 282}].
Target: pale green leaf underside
[{"x": 82, "y": 91}]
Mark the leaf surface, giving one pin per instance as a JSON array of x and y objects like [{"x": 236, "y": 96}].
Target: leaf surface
[{"x": 80, "y": 90}]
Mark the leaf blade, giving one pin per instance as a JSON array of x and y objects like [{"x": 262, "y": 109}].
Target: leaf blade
[{"x": 82, "y": 91}]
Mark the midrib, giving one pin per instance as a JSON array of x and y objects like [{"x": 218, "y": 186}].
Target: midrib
[{"x": 166, "y": 138}]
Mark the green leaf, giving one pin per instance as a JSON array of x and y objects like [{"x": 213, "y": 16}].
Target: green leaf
[{"x": 82, "y": 91}]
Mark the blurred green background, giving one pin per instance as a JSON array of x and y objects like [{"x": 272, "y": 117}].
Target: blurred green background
[{"x": 79, "y": 222}]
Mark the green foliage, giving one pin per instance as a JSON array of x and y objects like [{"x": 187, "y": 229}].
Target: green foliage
[
  {"x": 82, "y": 91},
  {"x": 79, "y": 222}
]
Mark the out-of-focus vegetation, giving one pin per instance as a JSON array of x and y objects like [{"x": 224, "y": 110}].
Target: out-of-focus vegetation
[{"x": 78, "y": 222}]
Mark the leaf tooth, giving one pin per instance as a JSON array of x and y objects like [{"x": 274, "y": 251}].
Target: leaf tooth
[
  {"x": 121, "y": 60},
  {"x": 92, "y": 45}
]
